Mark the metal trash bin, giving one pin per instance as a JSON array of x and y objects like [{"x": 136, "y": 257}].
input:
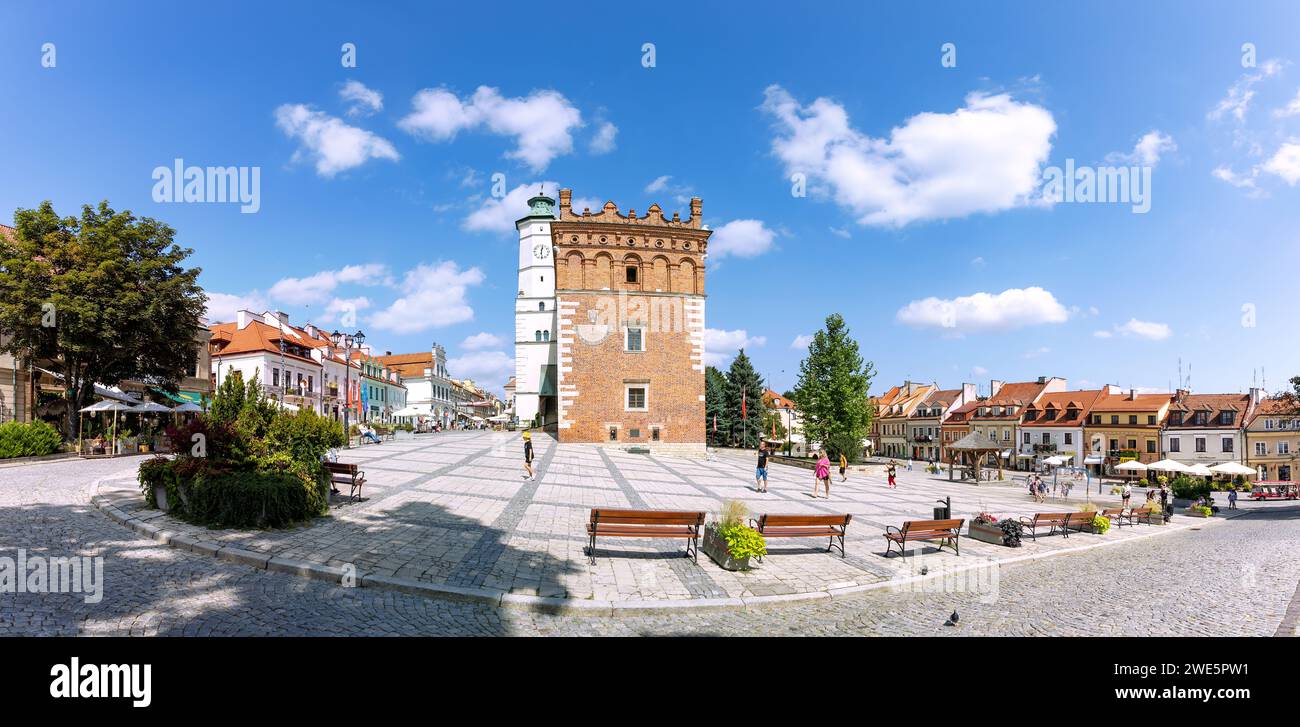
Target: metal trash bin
[{"x": 945, "y": 512}]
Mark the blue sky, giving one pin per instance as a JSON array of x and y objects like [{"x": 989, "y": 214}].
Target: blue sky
[{"x": 924, "y": 221}]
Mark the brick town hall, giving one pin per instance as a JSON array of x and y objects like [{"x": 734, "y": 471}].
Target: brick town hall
[{"x": 609, "y": 325}]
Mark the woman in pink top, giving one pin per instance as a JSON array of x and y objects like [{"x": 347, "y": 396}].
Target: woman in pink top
[{"x": 823, "y": 473}]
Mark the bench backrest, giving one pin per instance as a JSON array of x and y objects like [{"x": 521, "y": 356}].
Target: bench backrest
[
  {"x": 1112, "y": 511},
  {"x": 1052, "y": 517},
  {"x": 930, "y": 526},
  {"x": 770, "y": 520},
  {"x": 647, "y": 517},
  {"x": 349, "y": 467},
  {"x": 1080, "y": 517}
]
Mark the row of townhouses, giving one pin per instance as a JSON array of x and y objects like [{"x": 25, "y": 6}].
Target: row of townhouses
[{"x": 1097, "y": 428}]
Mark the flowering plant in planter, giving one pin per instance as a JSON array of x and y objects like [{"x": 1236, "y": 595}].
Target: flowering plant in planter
[
  {"x": 1100, "y": 524},
  {"x": 731, "y": 543},
  {"x": 1012, "y": 531},
  {"x": 985, "y": 518}
]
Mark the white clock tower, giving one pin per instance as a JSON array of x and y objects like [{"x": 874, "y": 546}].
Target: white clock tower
[{"x": 535, "y": 330}]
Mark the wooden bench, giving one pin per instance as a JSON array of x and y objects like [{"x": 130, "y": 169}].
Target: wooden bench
[
  {"x": 804, "y": 526},
  {"x": 1146, "y": 514},
  {"x": 947, "y": 532},
  {"x": 1078, "y": 521},
  {"x": 1118, "y": 516},
  {"x": 1051, "y": 520},
  {"x": 347, "y": 473},
  {"x": 646, "y": 524}
]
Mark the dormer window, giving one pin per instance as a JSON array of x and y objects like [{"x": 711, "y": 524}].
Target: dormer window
[
  {"x": 1071, "y": 413},
  {"x": 1030, "y": 415},
  {"x": 1226, "y": 418}
]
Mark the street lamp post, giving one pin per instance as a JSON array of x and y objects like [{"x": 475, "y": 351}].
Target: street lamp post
[{"x": 346, "y": 341}]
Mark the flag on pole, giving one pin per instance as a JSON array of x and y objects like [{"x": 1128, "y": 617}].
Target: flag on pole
[
  {"x": 715, "y": 422},
  {"x": 742, "y": 404}
]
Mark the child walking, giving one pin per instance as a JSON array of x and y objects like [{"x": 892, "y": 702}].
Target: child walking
[{"x": 528, "y": 456}]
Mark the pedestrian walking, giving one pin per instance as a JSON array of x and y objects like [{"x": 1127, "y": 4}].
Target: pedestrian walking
[
  {"x": 1126, "y": 493},
  {"x": 760, "y": 473},
  {"x": 822, "y": 473},
  {"x": 892, "y": 472},
  {"x": 528, "y": 456},
  {"x": 844, "y": 468},
  {"x": 1232, "y": 499},
  {"x": 909, "y": 464}
]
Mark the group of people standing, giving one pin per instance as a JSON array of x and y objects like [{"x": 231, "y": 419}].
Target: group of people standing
[{"x": 821, "y": 471}]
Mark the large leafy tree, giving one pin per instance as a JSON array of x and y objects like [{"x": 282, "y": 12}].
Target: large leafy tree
[
  {"x": 99, "y": 298},
  {"x": 744, "y": 383},
  {"x": 832, "y": 390}
]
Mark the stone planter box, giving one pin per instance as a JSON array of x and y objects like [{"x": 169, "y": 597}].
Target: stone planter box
[
  {"x": 160, "y": 494},
  {"x": 716, "y": 548},
  {"x": 1195, "y": 513},
  {"x": 985, "y": 533}
]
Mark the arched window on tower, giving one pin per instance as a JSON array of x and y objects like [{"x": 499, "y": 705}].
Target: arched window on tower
[
  {"x": 541, "y": 305},
  {"x": 537, "y": 335},
  {"x": 546, "y": 335}
]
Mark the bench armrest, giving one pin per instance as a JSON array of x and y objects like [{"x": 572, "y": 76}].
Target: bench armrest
[
  {"x": 1027, "y": 521},
  {"x": 893, "y": 528}
]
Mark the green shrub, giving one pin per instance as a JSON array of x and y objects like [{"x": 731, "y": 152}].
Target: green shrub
[
  {"x": 28, "y": 439},
  {"x": 743, "y": 542},
  {"x": 1100, "y": 524},
  {"x": 1190, "y": 488}
]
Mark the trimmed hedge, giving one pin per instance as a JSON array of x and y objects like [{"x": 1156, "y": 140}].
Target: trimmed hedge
[
  {"x": 267, "y": 498},
  {"x": 28, "y": 439}
]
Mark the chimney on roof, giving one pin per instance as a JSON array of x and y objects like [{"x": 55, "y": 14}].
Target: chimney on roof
[
  {"x": 243, "y": 318},
  {"x": 1181, "y": 394},
  {"x": 1256, "y": 395},
  {"x": 282, "y": 317},
  {"x": 969, "y": 393},
  {"x": 566, "y": 202},
  {"x": 311, "y": 329},
  {"x": 994, "y": 387},
  {"x": 1042, "y": 379},
  {"x": 1132, "y": 394},
  {"x": 388, "y": 353}
]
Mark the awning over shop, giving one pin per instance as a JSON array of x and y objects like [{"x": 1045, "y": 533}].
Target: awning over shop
[
  {"x": 183, "y": 397},
  {"x": 1092, "y": 459}
]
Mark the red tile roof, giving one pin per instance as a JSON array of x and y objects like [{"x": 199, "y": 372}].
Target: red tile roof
[{"x": 1062, "y": 402}]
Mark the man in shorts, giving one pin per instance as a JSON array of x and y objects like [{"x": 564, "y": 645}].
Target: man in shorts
[{"x": 760, "y": 473}]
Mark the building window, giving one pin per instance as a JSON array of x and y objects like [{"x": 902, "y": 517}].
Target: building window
[
  {"x": 546, "y": 335},
  {"x": 275, "y": 377},
  {"x": 1026, "y": 439},
  {"x": 1151, "y": 419},
  {"x": 1261, "y": 448},
  {"x": 1133, "y": 444},
  {"x": 613, "y": 434},
  {"x": 1114, "y": 419},
  {"x": 1175, "y": 444},
  {"x": 1226, "y": 418},
  {"x": 1284, "y": 448},
  {"x": 635, "y": 398},
  {"x": 537, "y": 336},
  {"x": 1069, "y": 438},
  {"x": 541, "y": 305},
  {"x": 1047, "y": 438},
  {"x": 1200, "y": 444},
  {"x": 1176, "y": 419},
  {"x": 1226, "y": 444},
  {"x": 634, "y": 433},
  {"x": 1132, "y": 419},
  {"x": 631, "y": 274},
  {"x": 635, "y": 339},
  {"x": 654, "y": 434},
  {"x": 1151, "y": 446}
]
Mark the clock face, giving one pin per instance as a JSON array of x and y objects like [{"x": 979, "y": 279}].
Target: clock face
[{"x": 541, "y": 251}]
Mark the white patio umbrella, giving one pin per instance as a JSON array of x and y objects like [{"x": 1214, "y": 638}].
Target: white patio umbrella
[
  {"x": 1167, "y": 465},
  {"x": 103, "y": 406},
  {"x": 409, "y": 411},
  {"x": 188, "y": 407},
  {"x": 1199, "y": 470},
  {"x": 150, "y": 407},
  {"x": 1233, "y": 469},
  {"x": 1131, "y": 466},
  {"x": 1056, "y": 461}
]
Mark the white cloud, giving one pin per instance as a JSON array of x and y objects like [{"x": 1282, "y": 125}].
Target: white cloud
[
  {"x": 801, "y": 341},
  {"x": 223, "y": 306},
  {"x": 334, "y": 145},
  {"x": 1237, "y": 102},
  {"x": 1101, "y": 334},
  {"x": 603, "y": 141},
  {"x": 1148, "y": 149},
  {"x": 840, "y": 232},
  {"x": 1012, "y": 308},
  {"x": 720, "y": 346},
  {"x": 489, "y": 369},
  {"x": 362, "y": 101},
  {"x": 1285, "y": 163},
  {"x": 984, "y": 157},
  {"x": 499, "y": 214},
  {"x": 1291, "y": 109},
  {"x": 740, "y": 238},
  {"x": 979, "y": 371},
  {"x": 542, "y": 124},
  {"x": 343, "y": 311},
  {"x": 1237, "y": 180},
  {"x": 480, "y": 341},
  {"x": 1040, "y": 351},
  {"x": 978, "y": 262},
  {"x": 658, "y": 184},
  {"x": 1144, "y": 329},
  {"x": 433, "y": 296},
  {"x": 316, "y": 288}
]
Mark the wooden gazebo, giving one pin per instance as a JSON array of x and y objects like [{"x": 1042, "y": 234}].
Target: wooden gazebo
[{"x": 973, "y": 447}]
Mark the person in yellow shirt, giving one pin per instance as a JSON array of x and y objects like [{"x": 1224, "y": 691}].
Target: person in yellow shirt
[{"x": 844, "y": 467}]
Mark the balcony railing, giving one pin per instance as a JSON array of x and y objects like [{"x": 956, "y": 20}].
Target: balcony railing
[{"x": 1044, "y": 447}]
